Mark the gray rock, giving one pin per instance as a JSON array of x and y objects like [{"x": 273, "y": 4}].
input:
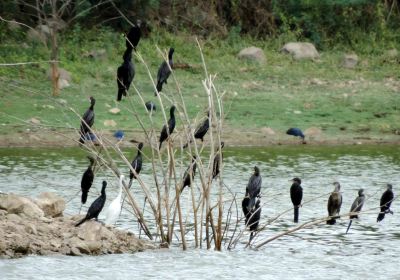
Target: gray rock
[
  {"x": 20, "y": 205},
  {"x": 34, "y": 35},
  {"x": 301, "y": 50},
  {"x": 252, "y": 53},
  {"x": 99, "y": 54},
  {"x": 350, "y": 61},
  {"x": 64, "y": 78},
  {"x": 51, "y": 204},
  {"x": 393, "y": 53}
]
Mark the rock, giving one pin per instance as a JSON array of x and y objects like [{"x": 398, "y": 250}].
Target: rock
[
  {"x": 301, "y": 50},
  {"x": 14, "y": 218},
  {"x": 114, "y": 111},
  {"x": 99, "y": 54},
  {"x": 20, "y": 205},
  {"x": 111, "y": 123},
  {"x": 393, "y": 53},
  {"x": 62, "y": 101},
  {"x": 75, "y": 242},
  {"x": 349, "y": 61},
  {"x": 63, "y": 75},
  {"x": 34, "y": 35},
  {"x": 90, "y": 231},
  {"x": 34, "y": 121},
  {"x": 94, "y": 246},
  {"x": 252, "y": 53},
  {"x": 63, "y": 83},
  {"x": 56, "y": 23},
  {"x": 13, "y": 25},
  {"x": 3, "y": 212},
  {"x": 31, "y": 229},
  {"x": 74, "y": 252},
  {"x": 51, "y": 204},
  {"x": 267, "y": 130}
]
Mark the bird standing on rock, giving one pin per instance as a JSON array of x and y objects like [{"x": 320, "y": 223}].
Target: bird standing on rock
[
  {"x": 114, "y": 208},
  {"x": 356, "y": 207},
  {"x": 87, "y": 121},
  {"x": 125, "y": 74},
  {"x": 167, "y": 131},
  {"x": 87, "y": 181},
  {"x": 385, "y": 202},
  {"x": 253, "y": 188},
  {"x": 334, "y": 204},
  {"x": 164, "y": 71},
  {"x": 296, "y": 195},
  {"x": 96, "y": 207}
]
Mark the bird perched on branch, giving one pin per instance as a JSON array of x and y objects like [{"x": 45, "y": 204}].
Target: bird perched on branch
[
  {"x": 201, "y": 130},
  {"x": 150, "y": 106},
  {"x": 125, "y": 74},
  {"x": 253, "y": 188},
  {"x": 386, "y": 201},
  {"x": 136, "y": 164},
  {"x": 294, "y": 131},
  {"x": 134, "y": 35},
  {"x": 167, "y": 131},
  {"x": 356, "y": 207},
  {"x": 87, "y": 181},
  {"x": 114, "y": 208},
  {"x": 96, "y": 207},
  {"x": 164, "y": 71},
  {"x": 296, "y": 195},
  {"x": 87, "y": 120},
  {"x": 189, "y": 174},
  {"x": 218, "y": 158},
  {"x": 334, "y": 204},
  {"x": 252, "y": 217}
]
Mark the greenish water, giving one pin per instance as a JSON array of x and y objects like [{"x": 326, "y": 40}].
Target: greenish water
[{"x": 369, "y": 251}]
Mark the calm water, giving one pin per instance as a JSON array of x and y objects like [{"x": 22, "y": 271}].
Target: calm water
[{"x": 369, "y": 251}]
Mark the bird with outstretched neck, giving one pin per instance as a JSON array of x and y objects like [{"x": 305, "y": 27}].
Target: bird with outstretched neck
[
  {"x": 114, "y": 209},
  {"x": 136, "y": 164},
  {"x": 356, "y": 207},
  {"x": 253, "y": 188},
  {"x": 164, "y": 71},
  {"x": 201, "y": 130},
  {"x": 252, "y": 217},
  {"x": 125, "y": 74},
  {"x": 294, "y": 131},
  {"x": 134, "y": 35},
  {"x": 87, "y": 121},
  {"x": 296, "y": 195},
  {"x": 96, "y": 207},
  {"x": 334, "y": 204},
  {"x": 87, "y": 181},
  {"x": 385, "y": 202},
  {"x": 167, "y": 131},
  {"x": 219, "y": 156},
  {"x": 189, "y": 174}
]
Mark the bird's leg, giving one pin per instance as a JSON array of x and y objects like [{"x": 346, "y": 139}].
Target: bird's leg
[{"x": 80, "y": 209}]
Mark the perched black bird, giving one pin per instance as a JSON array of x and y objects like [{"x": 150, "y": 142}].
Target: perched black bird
[
  {"x": 165, "y": 132},
  {"x": 334, "y": 204},
  {"x": 217, "y": 160},
  {"x": 252, "y": 217},
  {"x": 150, "y": 106},
  {"x": 201, "y": 130},
  {"x": 253, "y": 188},
  {"x": 136, "y": 163},
  {"x": 125, "y": 74},
  {"x": 87, "y": 120},
  {"x": 356, "y": 207},
  {"x": 87, "y": 180},
  {"x": 189, "y": 174},
  {"x": 164, "y": 71},
  {"x": 96, "y": 207},
  {"x": 296, "y": 195},
  {"x": 133, "y": 36},
  {"x": 386, "y": 201},
  {"x": 294, "y": 131}
]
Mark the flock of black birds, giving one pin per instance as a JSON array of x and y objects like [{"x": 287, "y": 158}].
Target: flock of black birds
[{"x": 251, "y": 204}]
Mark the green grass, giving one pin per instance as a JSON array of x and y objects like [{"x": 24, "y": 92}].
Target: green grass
[{"x": 280, "y": 94}]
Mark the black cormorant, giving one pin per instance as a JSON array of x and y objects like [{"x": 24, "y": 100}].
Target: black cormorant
[
  {"x": 252, "y": 217},
  {"x": 96, "y": 207},
  {"x": 253, "y": 188},
  {"x": 189, "y": 174},
  {"x": 386, "y": 201},
  {"x": 133, "y": 36},
  {"x": 136, "y": 163},
  {"x": 294, "y": 131},
  {"x": 87, "y": 180},
  {"x": 164, "y": 71},
  {"x": 171, "y": 126},
  {"x": 87, "y": 120},
  {"x": 334, "y": 204},
  {"x": 217, "y": 160},
  {"x": 296, "y": 195},
  {"x": 356, "y": 207},
  {"x": 125, "y": 74},
  {"x": 201, "y": 130},
  {"x": 150, "y": 106}
]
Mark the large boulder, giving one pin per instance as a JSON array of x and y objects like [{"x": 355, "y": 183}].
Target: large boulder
[
  {"x": 350, "y": 61},
  {"x": 252, "y": 53},
  {"x": 51, "y": 204},
  {"x": 301, "y": 50},
  {"x": 20, "y": 205},
  {"x": 64, "y": 78}
]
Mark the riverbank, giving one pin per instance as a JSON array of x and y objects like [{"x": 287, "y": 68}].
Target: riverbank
[{"x": 38, "y": 227}]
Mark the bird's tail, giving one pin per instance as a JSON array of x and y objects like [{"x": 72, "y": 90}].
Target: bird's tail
[
  {"x": 296, "y": 214},
  {"x": 159, "y": 86},
  {"x": 81, "y": 222},
  {"x": 332, "y": 221},
  {"x": 120, "y": 92},
  {"x": 381, "y": 216},
  {"x": 84, "y": 197},
  {"x": 348, "y": 227},
  {"x": 160, "y": 145}
]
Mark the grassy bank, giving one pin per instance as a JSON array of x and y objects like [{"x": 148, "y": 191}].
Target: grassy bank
[{"x": 343, "y": 103}]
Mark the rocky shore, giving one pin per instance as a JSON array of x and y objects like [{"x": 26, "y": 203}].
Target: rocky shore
[{"x": 37, "y": 226}]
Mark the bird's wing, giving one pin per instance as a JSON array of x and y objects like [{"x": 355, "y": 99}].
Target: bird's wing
[{"x": 163, "y": 72}]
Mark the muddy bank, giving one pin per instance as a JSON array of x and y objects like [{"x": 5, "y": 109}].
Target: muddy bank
[{"x": 37, "y": 226}]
